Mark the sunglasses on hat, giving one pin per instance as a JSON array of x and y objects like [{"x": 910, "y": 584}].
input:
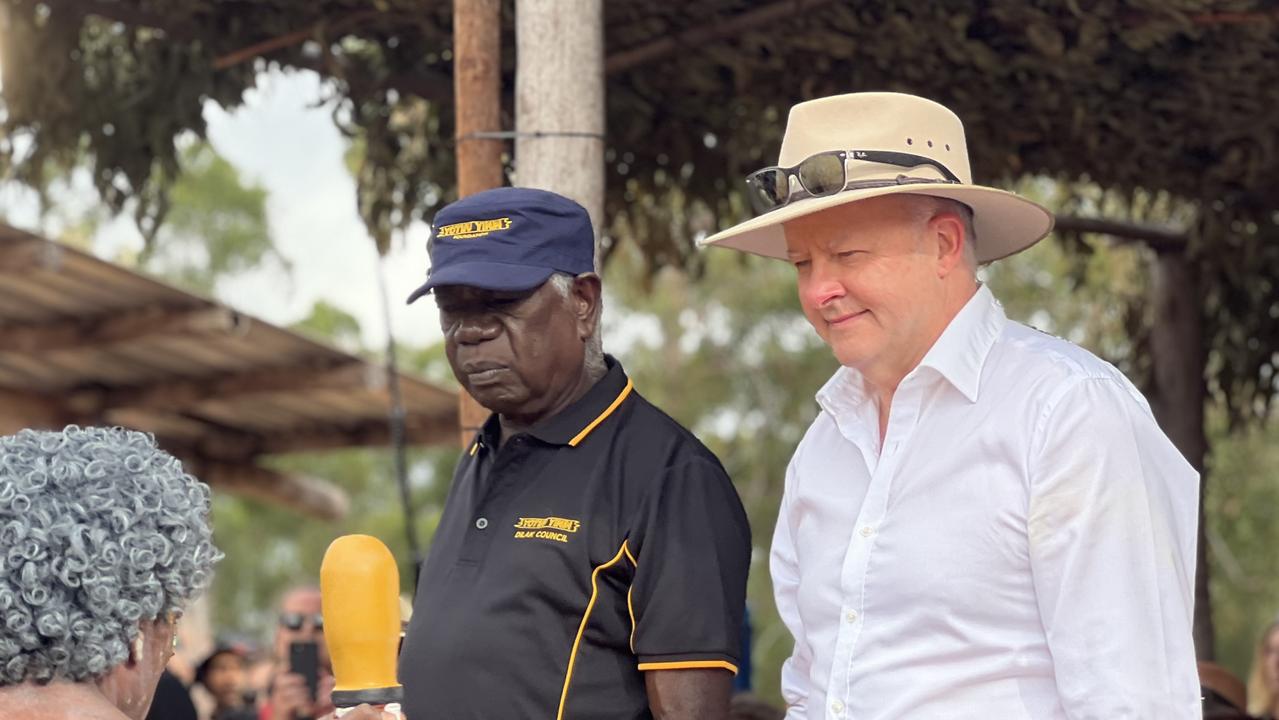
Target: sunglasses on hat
[
  {"x": 294, "y": 621},
  {"x": 826, "y": 173}
]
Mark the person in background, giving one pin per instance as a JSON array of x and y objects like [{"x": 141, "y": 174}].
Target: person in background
[
  {"x": 1263, "y": 683},
  {"x": 104, "y": 539},
  {"x": 1224, "y": 695},
  {"x": 300, "y": 621},
  {"x": 222, "y": 674},
  {"x": 748, "y": 706},
  {"x": 172, "y": 700}
]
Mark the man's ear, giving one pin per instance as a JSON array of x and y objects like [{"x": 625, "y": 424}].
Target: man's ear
[
  {"x": 947, "y": 232},
  {"x": 587, "y": 292}
]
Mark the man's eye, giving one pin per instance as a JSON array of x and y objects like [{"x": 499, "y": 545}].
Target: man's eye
[
  {"x": 801, "y": 264},
  {"x": 847, "y": 254}
]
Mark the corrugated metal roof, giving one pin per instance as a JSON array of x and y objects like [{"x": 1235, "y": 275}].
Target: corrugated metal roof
[{"x": 95, "y": 343}]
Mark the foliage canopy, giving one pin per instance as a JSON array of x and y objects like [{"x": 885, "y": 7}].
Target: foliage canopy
[{"x": 1141, "y": 98}]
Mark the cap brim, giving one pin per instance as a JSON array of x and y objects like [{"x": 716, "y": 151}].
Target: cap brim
[
  {"x": 1005, "y": 223},
  {"x": 499, "y": 276}
]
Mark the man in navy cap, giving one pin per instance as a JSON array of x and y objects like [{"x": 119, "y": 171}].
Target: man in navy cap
[{"x": 592, "y": 555}]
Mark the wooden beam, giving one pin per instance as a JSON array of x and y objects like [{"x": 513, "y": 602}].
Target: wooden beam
[
  {"x": 177, "y": 395},
  {"x": 1158, "y": 238},
  {"x": 307, "y": 495},
  {"x": 191, "y": 435},
  {"x": 93, "y": 333},
  {"x": 20, "y": 410},
  {"x": 25, "y": 256},
  {"x": 171, "y": 427},
  {"x": 708, "y": 32},
  {"x": 418, "y": 430}
]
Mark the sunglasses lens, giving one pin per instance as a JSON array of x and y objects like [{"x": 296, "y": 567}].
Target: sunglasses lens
[
  {"x": 768, "y": 188},
  {"x": 822, "y": 174},
  {"x": 292, "y": 621},
  {"x": 318, "y": 622}
]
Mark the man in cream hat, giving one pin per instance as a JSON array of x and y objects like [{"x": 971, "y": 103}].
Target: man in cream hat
[{"x": 983, "y": 521}]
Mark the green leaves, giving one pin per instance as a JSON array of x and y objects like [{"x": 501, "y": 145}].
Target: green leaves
[{"x": 216, "y": 226}]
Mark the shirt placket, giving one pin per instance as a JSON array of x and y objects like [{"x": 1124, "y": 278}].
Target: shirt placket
[
  {"x": 489, "y": 492},
  {"x": 853, "y": 581}
]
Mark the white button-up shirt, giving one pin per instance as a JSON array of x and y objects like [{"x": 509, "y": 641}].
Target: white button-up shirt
[{"x": 1022, "y": 545}]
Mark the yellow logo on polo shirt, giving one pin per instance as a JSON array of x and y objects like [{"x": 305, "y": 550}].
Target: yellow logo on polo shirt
[
  {"x": 546, "y": 528},
  {"x": 473, "y": 228}
]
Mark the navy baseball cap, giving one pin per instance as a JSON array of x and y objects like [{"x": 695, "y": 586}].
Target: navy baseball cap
[{"x": 508, "y": 239}]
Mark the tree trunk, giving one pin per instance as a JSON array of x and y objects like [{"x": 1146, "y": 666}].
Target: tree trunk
[
  {"x": 559, "y": 100},
  {"x": 1176, "y": 342},
  {"x": 477, "y": 93}
]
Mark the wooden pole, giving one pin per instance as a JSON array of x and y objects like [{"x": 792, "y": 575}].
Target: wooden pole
[
  {"x": 559, "y": 100},
  {"x": 1176, "y": 343},
  {"x": 477, "y": 94}
]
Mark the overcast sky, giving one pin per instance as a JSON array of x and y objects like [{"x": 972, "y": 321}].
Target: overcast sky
[{"x": 278, "y": 140}]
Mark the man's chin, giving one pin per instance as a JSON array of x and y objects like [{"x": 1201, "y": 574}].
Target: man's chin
[{"x": 499, "y": 399}]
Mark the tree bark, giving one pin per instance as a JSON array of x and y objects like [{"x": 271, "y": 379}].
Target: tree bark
[
  {"x": 559, "y": 100},
  {"x": 477, "y": 93},
  {"x": 1176, "y": 342}
]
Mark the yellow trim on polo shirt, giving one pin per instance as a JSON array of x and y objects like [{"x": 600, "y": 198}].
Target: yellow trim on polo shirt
[
  {"x": 474, "y": 449},
  {"x": 607, "y": 411},
  {"x": 689, "y": 665},
  {"x": 586, "y": 616},
  {"x": 630, "y": 591}
]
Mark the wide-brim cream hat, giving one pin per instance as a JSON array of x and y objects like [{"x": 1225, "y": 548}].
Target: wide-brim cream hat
[{"x": 1005, "y": 223}]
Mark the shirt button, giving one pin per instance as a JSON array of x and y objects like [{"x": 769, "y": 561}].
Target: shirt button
[
  {"x": 851, "y": 617},
  {"x": 837, "y": 707},
  {"x": 867, "y": 531},
  {"x": 481, "y": 523}
]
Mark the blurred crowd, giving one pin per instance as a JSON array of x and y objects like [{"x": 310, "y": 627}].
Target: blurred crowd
[{"x": 238, "y": 681}]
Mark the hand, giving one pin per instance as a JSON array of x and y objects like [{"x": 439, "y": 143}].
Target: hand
[
  {"x": 365, "y": 712},
  {"x": 290, "y": 698},
  {"x": 324, "y": 694}
]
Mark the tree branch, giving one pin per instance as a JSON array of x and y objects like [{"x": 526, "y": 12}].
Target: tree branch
[
  {"x": 627, "y": 59},
  {"x": 1158, "y": 238}
]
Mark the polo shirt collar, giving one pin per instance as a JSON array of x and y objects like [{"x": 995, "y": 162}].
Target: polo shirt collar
[{"x": 572, "y": 424}]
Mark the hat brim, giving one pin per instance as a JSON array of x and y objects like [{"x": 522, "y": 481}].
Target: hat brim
[
  {"x": 1005, "y": 223},
  {"x": 504, "y": 277}
]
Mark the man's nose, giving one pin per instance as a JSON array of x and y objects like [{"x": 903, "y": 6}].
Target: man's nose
[
  {"x": 821, "y": 289},
  {"x": 475, "y": 329}
]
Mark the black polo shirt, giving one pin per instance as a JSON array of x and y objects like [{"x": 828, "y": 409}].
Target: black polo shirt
[{"x": 605, "y": 542}]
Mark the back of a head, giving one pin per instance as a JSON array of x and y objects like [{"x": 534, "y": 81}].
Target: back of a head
[
  {"x": 1224, "y": 695},
  {"x": 100, "y": 530}
]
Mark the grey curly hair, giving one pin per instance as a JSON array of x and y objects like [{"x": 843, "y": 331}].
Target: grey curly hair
[{"x": 99, "y": 530}]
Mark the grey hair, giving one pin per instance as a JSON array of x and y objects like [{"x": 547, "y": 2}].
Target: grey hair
[
  {"x": 928, "y": 207},
  {"x": 563, "y": 284},
  {"x": 99, "y": 531}
]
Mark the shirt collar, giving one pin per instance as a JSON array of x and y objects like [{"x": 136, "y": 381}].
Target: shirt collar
[
  {"x": 958, "y": 356},
  {"x": 572, "y": 424},
  {"x": 961, "y": 351}
]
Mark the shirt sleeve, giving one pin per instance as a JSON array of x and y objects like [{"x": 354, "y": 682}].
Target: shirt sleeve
[
  {"x": 691, "y": 550},
  {"x": 1112, "y": 534},
  {"x": 784, "y": 566}
]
